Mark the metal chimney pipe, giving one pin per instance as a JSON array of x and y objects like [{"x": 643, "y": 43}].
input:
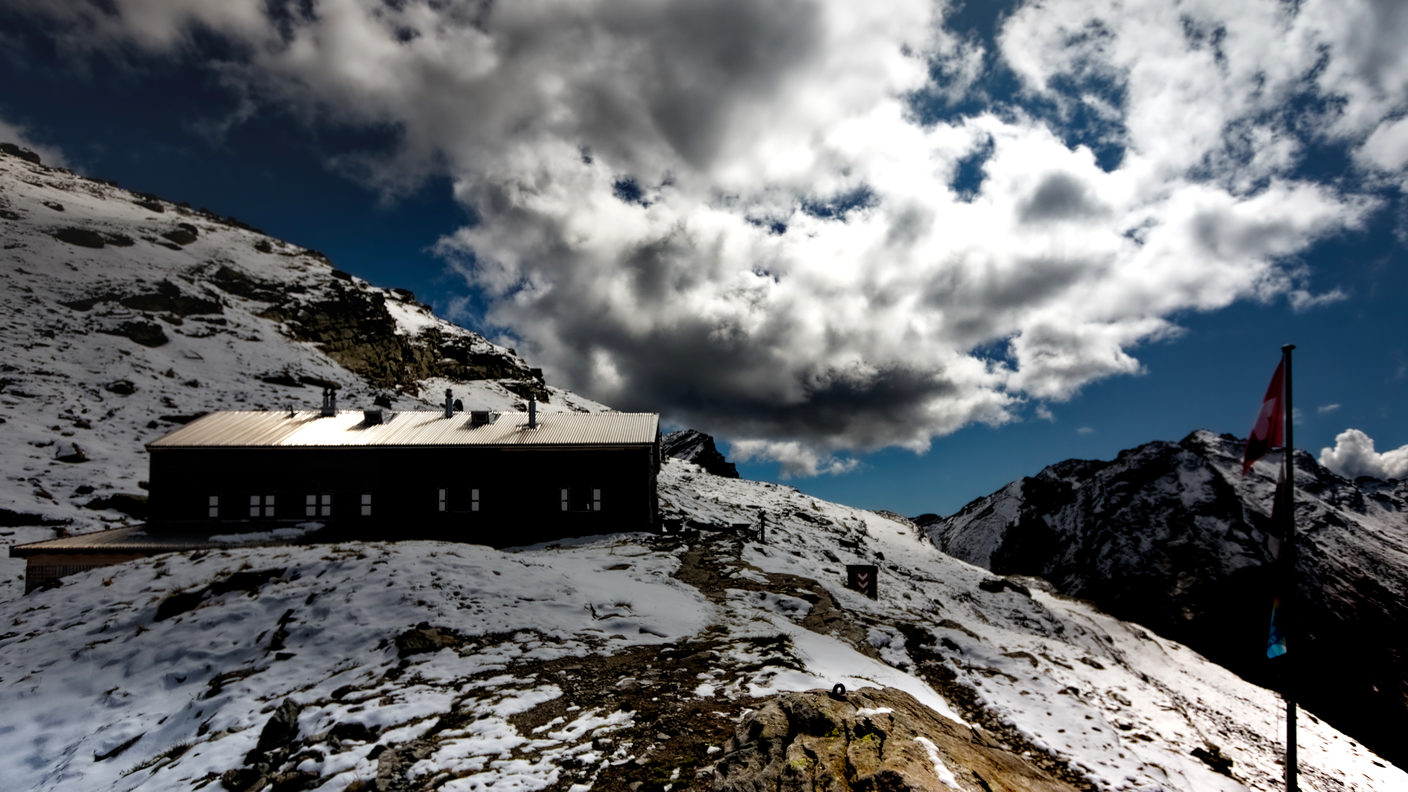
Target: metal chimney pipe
[
  {"x": 532, "y": 413},
  {"x": 449, "y": 403}
]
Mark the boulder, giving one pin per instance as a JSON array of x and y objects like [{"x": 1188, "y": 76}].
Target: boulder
[
  {"x": 81, "y": 237},
  {"x": 871, "y": 739},
  {"x": 148, "y": 334},
  {"x": 21, "y": 152},
  {"x": 185, "y": 234},
  {"x": 282, "y": 727},
  {"x": 425, "y": 638},
  {"x": 71, "y": 453}
]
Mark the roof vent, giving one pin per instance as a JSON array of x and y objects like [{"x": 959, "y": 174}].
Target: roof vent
[
  {"x": 329, "y": 402},
  {"x": 532, "y": 413},
  {"x": 482, "y": 417},
  {"x": 373, "y": 417}
]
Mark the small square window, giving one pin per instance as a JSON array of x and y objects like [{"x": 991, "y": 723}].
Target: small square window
[
  {"x": 474, "y": 500},
  {"x": 325, "y": 504},
  {"x": 261, "y": 505},
  {"x": 214, "y": 506},
  {"x": 310, "y": 506},
  {"x": 596, "y": 500},
  {"x": 444, "y": 499},
  {"x": 564, "y": 499},
  {"x": 366, "y": 504}
]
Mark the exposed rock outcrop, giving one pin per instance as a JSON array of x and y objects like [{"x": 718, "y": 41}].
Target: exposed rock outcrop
[
  {"x": 868, "y": 739},
  {"x": 354, "y": 326},
  {"x": 697, "y": 447}
]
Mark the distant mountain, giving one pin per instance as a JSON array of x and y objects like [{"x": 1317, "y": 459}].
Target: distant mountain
[
  {"x": 1170, "y": 535},
  {"x": 697, "y": 447}
]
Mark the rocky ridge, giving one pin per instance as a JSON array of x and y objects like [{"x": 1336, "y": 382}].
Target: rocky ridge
[
  {"x": 697, "y": 447},
  {"x": 1172, "y": 536}
]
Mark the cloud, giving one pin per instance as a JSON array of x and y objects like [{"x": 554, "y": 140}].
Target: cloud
[
  {"x": 1302, "y": 300},
  {"x": 1084, "y": 430},
  {"x": 1354, "y": 456},
  {"x": 20, "y": 136},
  {"x": 731, "y": 212},
  {"x": 795, "y": 459},
  {"x": 1327, "y": 408}
]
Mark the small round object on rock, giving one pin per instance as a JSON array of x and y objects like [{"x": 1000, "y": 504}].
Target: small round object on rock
[{"x": 838, "y": 691}]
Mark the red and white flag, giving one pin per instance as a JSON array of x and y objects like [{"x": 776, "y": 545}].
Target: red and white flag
[{"x": 1268, "y": 432}]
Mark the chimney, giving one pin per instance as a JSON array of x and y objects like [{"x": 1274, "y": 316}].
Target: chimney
[
  {"x": 449, "y": 403},
  {"x": 329, "y": 402},
  {"x": 532, "y": 413}
]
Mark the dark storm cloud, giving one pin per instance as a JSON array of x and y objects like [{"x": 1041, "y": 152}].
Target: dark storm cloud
[
  {"x": 733, "y": 213},
  {"x": 1060, "y": 196}
]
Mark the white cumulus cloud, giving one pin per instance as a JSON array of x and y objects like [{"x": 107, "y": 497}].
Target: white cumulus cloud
[
  {"x": 20, "y": 136},
  {"x": 1354, "y": 456},
  {"x": 730, "y": 211}
]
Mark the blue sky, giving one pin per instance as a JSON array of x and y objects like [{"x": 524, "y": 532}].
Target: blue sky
[{"x": 898, "y": 256}]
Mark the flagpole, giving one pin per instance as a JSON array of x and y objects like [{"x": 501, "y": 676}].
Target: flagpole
[{"x": 1288, "y": 507}]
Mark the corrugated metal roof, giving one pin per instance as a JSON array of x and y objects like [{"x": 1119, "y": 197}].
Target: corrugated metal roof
[{"x": 268, "y": 429}]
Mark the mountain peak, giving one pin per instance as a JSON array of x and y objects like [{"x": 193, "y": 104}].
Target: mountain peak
[{"x": 1173, "y": 536}]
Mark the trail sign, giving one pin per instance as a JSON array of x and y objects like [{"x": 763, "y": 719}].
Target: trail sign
[{"x": 862, "y": 578}]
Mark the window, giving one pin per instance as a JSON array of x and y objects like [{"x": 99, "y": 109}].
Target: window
[
  {"x": 318, "y": 505},
  {"x": 214, "y": 506},
  {"x": 581, "y": 499},
  {"x": 366, "y": 504},
  {"x": 457, "y": 499},
  {"x": 261, "y": 505}
]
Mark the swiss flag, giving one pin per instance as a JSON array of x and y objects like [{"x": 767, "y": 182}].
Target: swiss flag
[{"x": 1268, "y": 432}]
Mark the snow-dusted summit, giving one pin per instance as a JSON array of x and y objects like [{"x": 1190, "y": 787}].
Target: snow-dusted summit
[
  {"x": 1172, "y": 536},
  {"x": 695, "y": 446}
]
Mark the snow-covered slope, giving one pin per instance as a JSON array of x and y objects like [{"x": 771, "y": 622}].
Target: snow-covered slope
[
  {"x": 1172, "y": 536},
  {"x": 617, "y": 662},
  {"x": 605, "y": 662},
  {"x": 124, "y": 314}
]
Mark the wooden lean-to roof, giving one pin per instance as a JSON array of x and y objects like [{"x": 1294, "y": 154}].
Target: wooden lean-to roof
[{"x": 309, "y": 429}]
